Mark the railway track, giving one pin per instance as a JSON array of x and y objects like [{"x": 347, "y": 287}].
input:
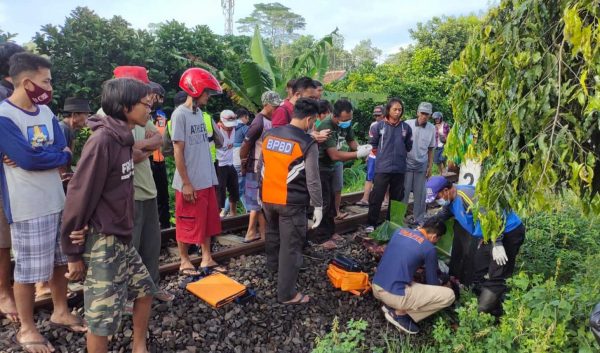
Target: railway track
[{"x": 240, "y": 223}]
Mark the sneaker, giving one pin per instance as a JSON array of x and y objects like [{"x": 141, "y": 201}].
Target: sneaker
[
  {"x": 369, "y": 229},
  {"x": 402, "y": 322},
  {"x": 388, "y": 310},
  {"x": 164, "y": 296}
]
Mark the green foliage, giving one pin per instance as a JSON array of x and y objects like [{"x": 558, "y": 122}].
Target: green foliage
[
  {"x": 384, "y": 232},
  {"x": 550, "y": 300},
  {"x": 354, "y": 177},
  {"x": 262, "y": 73},
  {"x": 85, "y": 50},
  {"x": 351, "y": 341},
  {"x": 6, "y": 36},
  {"x": 81, "y": 138},
  {"x": 274, "y": 21},
  {"x": 528, "y": 90},
  {"x": 365, "y": 54}
]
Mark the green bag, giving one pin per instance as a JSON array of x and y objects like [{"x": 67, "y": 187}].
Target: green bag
[{"x": 384, "y": 232}]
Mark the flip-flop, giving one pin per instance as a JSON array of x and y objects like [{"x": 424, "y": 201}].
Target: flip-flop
[
  {"x": 341, "y": 215},
  {"x": 214, "y": 268},
  {"x": 189, "y": 272},
  {"x": 362, "y": 203},
  {"x": 25, "y": 346},
  {"x": 299, "y": 301},
  {"x": 248, "y": 241},
  {"x": 70, "y": 327}
]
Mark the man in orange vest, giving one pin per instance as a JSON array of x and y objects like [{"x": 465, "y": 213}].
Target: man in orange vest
[
  {"x": 159, "y": 168},
  {"x": 290, "y": 183}
]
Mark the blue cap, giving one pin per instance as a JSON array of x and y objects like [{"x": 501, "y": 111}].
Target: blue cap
[{"x": 434, "y": 185}]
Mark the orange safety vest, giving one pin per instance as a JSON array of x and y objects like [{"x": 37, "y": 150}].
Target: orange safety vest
[
  {"x": 283, "y": 174},
  {"x": 161, "y": 126}
]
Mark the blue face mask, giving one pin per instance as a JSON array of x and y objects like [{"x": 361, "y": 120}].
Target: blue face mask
[
  {"x": 442, "y": 202},
  {"x": 345, "y": 124}
]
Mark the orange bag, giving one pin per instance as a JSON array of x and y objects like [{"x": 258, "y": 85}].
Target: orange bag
[
  {"x": 217, "y": 289},
  {"x": 356, "y": 283}
]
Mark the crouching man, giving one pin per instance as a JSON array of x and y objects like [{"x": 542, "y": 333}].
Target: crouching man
[
  {"x": 406, "y": 302},
  {"x": 97, "y": 223}
]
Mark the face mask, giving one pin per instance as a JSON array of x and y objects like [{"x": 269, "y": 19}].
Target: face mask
[
  {"x": 442, "y": 202},
  {"x": 317, "y": 123},
  {"x": 345, "y": 124},
  {"x": 39, "y": 95}
]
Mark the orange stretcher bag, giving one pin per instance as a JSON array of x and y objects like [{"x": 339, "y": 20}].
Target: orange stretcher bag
[
  {"x": 217, "y": 289},
  {"x": 356, "y": 283}
]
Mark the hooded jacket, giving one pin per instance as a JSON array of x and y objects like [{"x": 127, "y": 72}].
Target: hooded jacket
[{"x": 100, "y": 194}]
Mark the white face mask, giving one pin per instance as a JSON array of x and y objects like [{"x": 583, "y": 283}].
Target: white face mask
[{"x": 442, "y": 202}]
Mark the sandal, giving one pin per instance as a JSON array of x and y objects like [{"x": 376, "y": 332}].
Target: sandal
[
  {"x": 189, "y": 272},
  {"x": 341, "y": 215},
  {"x": 164, "y": 296},
  {"x": 70, "y": 327},
  {"x": 207, "y": 270},
  {"x": 12, "y": 317},
  {"x": 362, "y": 203},
  {"x": 248, "y": 241},
  {"x": 26, "y": 346},
  {"x": 300, "y": 301}
]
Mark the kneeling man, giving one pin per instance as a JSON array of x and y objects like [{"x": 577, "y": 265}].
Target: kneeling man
[{"x": 406, "y": 302}]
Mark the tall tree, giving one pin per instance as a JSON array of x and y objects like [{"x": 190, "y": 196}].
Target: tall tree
[
  {"x": 364, "y": 53},
  {"x": 6, "y": 36},
  {"x": 446, "y": 35},
  {"x": 275, "y": 21}
]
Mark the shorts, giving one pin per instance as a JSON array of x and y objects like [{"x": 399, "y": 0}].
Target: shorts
[
  {"x": 228, "y": 183},
  {"x": 194, "y": 222},
  {"x": 371, "y": 169},
  {"x": 115, "y": 274},
  {"x": 251, "y": 192},
  {"x": 438, "y": 156},
  {"x": 338, "y": 177},
  {"x": 4, "y": 228},
  {"x": 36, "y": 248}
]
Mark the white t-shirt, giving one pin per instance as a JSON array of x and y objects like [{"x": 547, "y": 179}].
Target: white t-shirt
[
  {"x": 32, "y": 193},
  {"x": 225, "y": 153}
]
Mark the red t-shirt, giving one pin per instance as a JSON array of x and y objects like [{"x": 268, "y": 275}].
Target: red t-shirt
[{"x": 283, "y": 114}]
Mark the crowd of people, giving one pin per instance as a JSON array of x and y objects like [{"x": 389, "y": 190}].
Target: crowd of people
[{"x": 101, "y": 224}]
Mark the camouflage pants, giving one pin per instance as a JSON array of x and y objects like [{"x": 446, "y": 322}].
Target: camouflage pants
[{"x": 115, "y": 273}]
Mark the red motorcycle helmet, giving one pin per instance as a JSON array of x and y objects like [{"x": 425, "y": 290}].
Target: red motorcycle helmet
[{"x": 195, "y": 80}]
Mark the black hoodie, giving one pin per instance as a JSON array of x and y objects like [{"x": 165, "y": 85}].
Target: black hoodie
[{"x": 100, "y": 194}]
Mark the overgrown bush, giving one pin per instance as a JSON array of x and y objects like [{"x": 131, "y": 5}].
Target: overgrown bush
[{"x": 350, "y": 341}]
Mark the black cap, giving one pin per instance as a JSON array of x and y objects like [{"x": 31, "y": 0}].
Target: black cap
[{"x": 76, "y": 105}]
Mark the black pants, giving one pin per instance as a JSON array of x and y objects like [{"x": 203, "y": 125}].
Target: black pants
[
  {"x": 327, "y": 226},
  {"x": 464, "y": 246},
  {"x": 228, "y": 182},
  {"x": 159, "y": 172},
  {"x": 381, "y": 182},
  {"x": 285, "y": 237},
  {"x": 491, "y": 277}
]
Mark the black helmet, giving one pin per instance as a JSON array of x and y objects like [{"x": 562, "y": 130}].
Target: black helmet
[
  {"x": 437, "y": 115},
  {"x": 157, "y": 89}
]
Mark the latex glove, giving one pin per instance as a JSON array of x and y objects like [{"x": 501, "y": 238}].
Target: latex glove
[
  {"x": 499, "y": 254},
  {"x": 317, "y": 217},
  {"x": 363, "y": 151}
]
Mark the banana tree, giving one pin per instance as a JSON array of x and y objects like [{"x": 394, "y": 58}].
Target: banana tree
[{"x": 262, "y": 73}]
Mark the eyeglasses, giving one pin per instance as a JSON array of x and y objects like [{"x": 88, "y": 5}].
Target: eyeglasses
[{"x": 148, "y": 105}]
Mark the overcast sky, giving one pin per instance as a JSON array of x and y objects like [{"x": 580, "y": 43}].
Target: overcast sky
[{"x": 385, "y": 22}]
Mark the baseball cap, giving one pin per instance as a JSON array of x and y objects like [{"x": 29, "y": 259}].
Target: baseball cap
[
  {"x": 434, "y": 185},
  {"x": 137, "y": 72},
  {"x": 378, "y": 110},
  {"x": 271, "y": 98},
  {"x": 228, "y": 118},
  {"x": 425, "y": 107}
]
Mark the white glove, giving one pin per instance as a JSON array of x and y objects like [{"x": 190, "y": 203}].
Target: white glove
[
  {"x": 317, "y": 217},
  {"x": 499, "y": 254},
  {"x": 363, "y": 151}
]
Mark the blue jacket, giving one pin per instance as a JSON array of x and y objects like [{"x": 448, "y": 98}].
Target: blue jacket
[
  {"x": 405, "y": 253},
  {"x": 460, "y": 208},
  {"x": 393, "y": 144}
]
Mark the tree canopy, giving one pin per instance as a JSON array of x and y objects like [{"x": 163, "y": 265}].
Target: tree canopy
[
  {"x": 275, "y": 21},
  {"x": 528, "y": 92}
]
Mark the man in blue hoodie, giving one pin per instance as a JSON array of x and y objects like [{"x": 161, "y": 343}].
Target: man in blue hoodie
[
  {"x": 405, "y": 301},
  {"x": 486, "y": 266}
]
